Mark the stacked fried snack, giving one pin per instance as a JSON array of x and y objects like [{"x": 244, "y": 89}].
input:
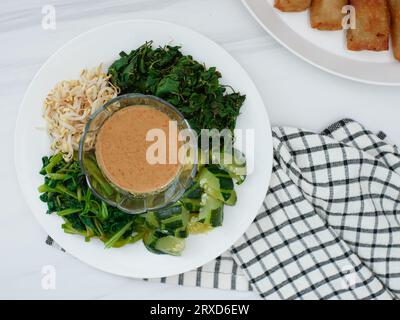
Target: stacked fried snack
[{"x": 375, "y": 21}]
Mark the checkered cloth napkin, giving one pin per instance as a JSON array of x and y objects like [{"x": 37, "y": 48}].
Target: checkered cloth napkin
[{"x": 329, "y": 227}]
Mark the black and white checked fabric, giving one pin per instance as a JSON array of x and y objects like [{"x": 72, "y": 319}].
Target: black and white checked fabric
[{"x": 329, "y": 227}]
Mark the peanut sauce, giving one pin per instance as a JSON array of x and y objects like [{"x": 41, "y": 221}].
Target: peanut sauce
[{"x": 121, "y": 150}]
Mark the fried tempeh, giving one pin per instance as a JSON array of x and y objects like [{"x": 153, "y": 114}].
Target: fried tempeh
[
  {"x": 372, "y": 26},
  {"x": 394, "y": 6},
  {"x": 327, "y": 14},
  {"x": 292, "y": 5}
]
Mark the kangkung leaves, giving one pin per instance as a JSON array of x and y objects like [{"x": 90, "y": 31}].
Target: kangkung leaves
[{"x": 182, "y": 81}]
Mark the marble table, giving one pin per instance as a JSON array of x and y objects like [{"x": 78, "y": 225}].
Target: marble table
[{"x": 295, "y": 93}]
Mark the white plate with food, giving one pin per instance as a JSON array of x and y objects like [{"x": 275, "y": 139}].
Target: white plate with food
[
  {"x": 311, "y": 33},
  {"x": 62, "y": 98}
]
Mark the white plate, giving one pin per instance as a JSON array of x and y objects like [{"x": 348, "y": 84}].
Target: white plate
[
  {"x": 324, "y": 49},
  {"x": 103, "y": 45}
]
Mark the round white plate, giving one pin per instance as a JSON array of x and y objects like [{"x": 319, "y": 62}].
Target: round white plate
[
  {"x": 324, "y": 49},
  {"x": 103, "y": 45}
]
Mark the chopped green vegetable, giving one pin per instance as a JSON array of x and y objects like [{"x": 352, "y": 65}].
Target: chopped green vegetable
[
  {"x": 196, "y": 227},
  {"x": 192, "y": 197},
  {"x": 96, "y": 174},
  {"x": 171, "y": 220},
  {"x": 217, "y": 183},
  {"x": 84, "y": 214},
  {"x": 52, "y": 163},
  {"x": 185, "y": 83},
  {"x": 159, "y": 242},
  {"x": 233, "y": 162},
  {"x": 211, "y": 211}
]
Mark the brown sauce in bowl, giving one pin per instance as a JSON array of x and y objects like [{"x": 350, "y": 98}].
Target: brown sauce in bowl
[{"x": 121, "y": 149}]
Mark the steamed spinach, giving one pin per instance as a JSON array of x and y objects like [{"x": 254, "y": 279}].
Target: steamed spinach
[{"x": 182, "y": 81}]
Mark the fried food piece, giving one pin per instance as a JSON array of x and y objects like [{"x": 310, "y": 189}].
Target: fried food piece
[
  {"x": 327, "y": 14},
  {"x": 292, "y": 5},
  {"x": 394, "y": 6},
  {"x": 372, "y": 26}
]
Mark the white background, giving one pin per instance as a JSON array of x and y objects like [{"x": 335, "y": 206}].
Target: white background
[{"x": 295, "y": 93}]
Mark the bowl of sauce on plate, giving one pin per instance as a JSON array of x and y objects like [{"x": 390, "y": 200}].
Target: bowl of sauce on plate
[
  {"x": 121, "y": 149},
  {"x": 131, "y": 154}
]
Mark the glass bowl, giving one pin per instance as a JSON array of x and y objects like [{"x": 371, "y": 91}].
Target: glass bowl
[{"x": 103, "y": 188}]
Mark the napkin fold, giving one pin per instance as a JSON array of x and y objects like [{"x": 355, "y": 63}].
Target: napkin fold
[{"x": 329, "y": 226}]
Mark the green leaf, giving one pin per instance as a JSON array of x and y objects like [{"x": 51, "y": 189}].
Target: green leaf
[{"x": 117, "y": 235}]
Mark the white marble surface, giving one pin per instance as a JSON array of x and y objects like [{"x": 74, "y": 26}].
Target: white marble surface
[{"x": 295, "y": 93}]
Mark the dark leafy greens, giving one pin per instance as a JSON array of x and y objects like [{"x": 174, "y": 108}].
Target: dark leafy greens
[
  {"x": 185, "y": 83},
  {"x": 66, "y": 192}
]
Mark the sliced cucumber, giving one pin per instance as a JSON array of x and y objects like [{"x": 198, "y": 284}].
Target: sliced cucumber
[
  {"x": 181, "y": 233},
  {"x": 192, "y": 205},
  {"x": 152, "y": 220},
  {"x": 211, "y": 211},
  {"x": 233, "y": 162},
  {"x": 150, "y": 239},
  {"x": 175, "y": 217},
  {"x": 203, "y": 158},
  {"x": 196, "y": 227},
  {"x": 218, "y": 183},
  {"x": 161, "y": 243},
  {"x": 194, "y": 192},
  {"x": 191, "y": 198},
  {"x": 170, "y": 245},
  {"x": 172, "y": 220}
]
